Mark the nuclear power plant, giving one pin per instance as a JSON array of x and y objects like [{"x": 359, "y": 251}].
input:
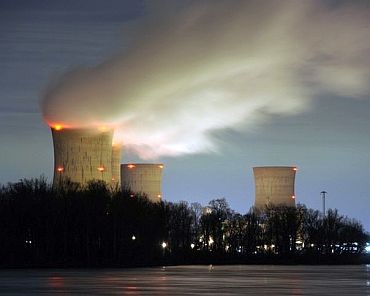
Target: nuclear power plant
[
  {"x": 83, "y": 155},
  {"x": 274, "y": 185},
  {"x": 143, "y": 178}
]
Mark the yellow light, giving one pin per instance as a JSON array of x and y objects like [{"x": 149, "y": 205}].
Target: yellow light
[
  {"x": 60, "y": 169},
  {"x": 101, "y": 169},
  {"x": 293, "y": 196},
  {"x": 131, "y": 166},
  {"x": 58, "y": 127},
  {"x": 160, "y": 166},
  {"x": 295, "y": 169},
  {"x": 159, "y": 196}
]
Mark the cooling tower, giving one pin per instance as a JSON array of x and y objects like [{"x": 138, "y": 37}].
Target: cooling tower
[
  {"x": 82, "y": 155},
  {"x": 274, "y": 185},
  {"x": 116, "y": 161},
  {"x": 143, "y": 178}
]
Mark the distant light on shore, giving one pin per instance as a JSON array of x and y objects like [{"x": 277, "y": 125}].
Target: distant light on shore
[{"x": 367, "y": 248}]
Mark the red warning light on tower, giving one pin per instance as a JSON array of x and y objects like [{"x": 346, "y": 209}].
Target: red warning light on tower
[{"x": 58, "y": 127}]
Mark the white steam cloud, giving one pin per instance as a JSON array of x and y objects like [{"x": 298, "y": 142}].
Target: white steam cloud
[{"x": 216, "y": 65}]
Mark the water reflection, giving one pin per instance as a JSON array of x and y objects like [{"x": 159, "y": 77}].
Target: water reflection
[
  {"x": 56, "y": 281},
  {"x": 180, "y": 280}
]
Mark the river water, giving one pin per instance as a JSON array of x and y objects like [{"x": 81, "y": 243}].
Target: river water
[{"x": 191, "y": 280}]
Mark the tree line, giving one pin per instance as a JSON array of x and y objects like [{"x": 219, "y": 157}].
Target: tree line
[{"x": 94, "y": 225}]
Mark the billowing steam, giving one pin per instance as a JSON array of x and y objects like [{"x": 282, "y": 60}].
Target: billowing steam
[{"x": 215, "y": 65}]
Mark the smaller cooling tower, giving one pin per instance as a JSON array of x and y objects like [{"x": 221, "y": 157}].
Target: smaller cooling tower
[
  {"x": 274, "y": 185},
  {"x": 143, "y": 178}
]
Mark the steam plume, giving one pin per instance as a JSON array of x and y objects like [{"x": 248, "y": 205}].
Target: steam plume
[{"x": 217, "y": 65}]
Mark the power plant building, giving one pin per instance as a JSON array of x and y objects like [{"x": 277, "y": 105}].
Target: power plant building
[
  {"x": 83, "y": 155},
  {"x": 274, "y": 185},
  {"x": 143, "y": 178}
]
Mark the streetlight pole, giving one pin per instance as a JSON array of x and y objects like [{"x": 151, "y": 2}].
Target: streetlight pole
[
  {"x": 323, "y": 194},
  {"x": 164, "y": 245}
]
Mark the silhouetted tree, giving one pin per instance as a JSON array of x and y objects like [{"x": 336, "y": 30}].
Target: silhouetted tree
[{"x": 96, "y": 225}]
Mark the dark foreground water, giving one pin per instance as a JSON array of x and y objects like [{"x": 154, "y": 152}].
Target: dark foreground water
[{"x": 190, "y": 280}]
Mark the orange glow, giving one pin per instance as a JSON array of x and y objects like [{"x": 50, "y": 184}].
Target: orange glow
[
  {"x": 60, "y": 169},
  {"x": 102, "y": 128},
  {"x": 101, "y": 169},
  {"x": 131, "y": 166},
  {"x": 160, "y": 166},
  {"x": 56, "y": 281},
  {"x": 293, "y": 196},
  {"x": 295, "y": 169},
  {"x": 159, "y": 196},
  {"x": 58, "y": 127}
]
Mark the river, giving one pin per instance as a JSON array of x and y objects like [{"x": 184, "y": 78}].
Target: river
[{"x": 191, "y": 280}]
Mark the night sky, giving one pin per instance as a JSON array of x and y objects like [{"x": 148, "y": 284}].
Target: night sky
[{"x": 215, "y": 88}]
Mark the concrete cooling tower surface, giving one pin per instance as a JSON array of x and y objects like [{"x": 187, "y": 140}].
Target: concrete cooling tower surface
[
  {"x": 274, "y": 185},
  {"x": 82, "y": 155},
  {"x": 143, "y": 178},
  {"x": 116, "y": 162}
]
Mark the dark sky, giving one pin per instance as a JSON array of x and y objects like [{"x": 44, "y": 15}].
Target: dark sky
[{"x": 326, "y": 134}]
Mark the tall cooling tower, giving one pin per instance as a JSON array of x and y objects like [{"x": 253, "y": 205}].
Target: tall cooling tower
[
  {"x": 274, "y": 185},
  {"x": 116, "y": 161},
  {"x": 145, "y": 178},
  {"x": 82, "y": 155}
]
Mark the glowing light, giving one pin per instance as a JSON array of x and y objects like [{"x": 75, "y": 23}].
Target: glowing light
[
  {"x": 133, "y": 237},
  {"x": 131, "y": 166},
  {"x": 102, "y": 128},
  {"x": 293, "y": 196},
  {"x": 160, "y": 166},
  {"x": 367, "y": 249},
  {"x": 159, "y": 196},
  {"x": 101, "y": 169},
  {"x": 131, "y": 195},
  {"x": 164, "y": 245},
  {"x": 295, "y": 169},
  {"x": 192, "y": 246},
  {"x": 58, "y": 127},
  {"x": 60, "y": 169}
]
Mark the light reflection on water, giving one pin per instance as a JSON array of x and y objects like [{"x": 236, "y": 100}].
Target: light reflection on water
[{"x": 190, "y": 280}]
